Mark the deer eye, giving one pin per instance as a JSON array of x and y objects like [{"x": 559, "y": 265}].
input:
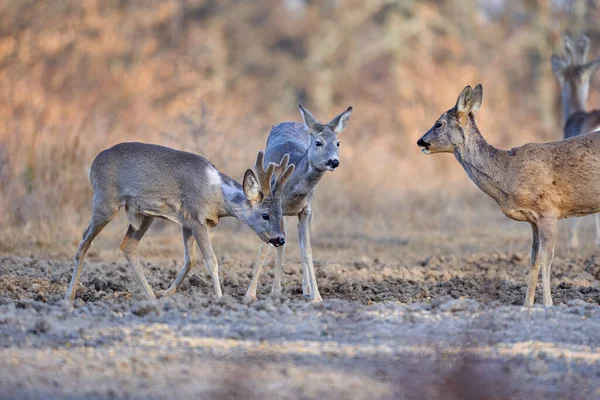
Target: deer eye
[
  {"x": 266, "y": 217},
  {"x": 338, "y": 144},
  {"x": 318, "y": 143},
  {"x": 438, "y": 125}
]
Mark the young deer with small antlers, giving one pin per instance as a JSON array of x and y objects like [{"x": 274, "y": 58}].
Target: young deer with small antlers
[
  {"x": 313, "y": 147},
  {"x": 574, "y": 74},
  {"x": 538, "y": 183},
  {"x": 153, "y": 181}
]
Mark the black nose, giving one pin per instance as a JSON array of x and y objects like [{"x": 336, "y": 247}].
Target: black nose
[
  {"x": 333, "y": 163},
  {"x": 422, "y": 143},
  {"x": 278, "y": 241}
]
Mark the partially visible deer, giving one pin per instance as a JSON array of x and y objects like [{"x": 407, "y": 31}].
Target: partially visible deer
[
  {"x": 153, "y": 181},
  {"x": 538, "y": 183},
  {"x": 574, "y": 74},
  {"x": 313, "y": 147}
]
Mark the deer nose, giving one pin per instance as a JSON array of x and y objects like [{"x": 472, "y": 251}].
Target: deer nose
[
  {"x": 422, "y": 143},
  {"x": 333, "y": 163},
  {"x": 278, "y": 241}
]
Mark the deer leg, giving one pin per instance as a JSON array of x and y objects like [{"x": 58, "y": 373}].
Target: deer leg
[
  {"x": 279, "y": 262},
  {"x": 533, "y": 270},
  {"x": 597, "y": 219},
  {"x": 129, "y": 247},
  {"x": 210, "y": 260},
  {"x": 189, "y": 256},
  {"x": 545, "y": 232},
  {"x": 100, "y": 218},
  {"x": 263, "y": 252},
  {"x": 306, "y": 254},
  {"x": 547, "y": 241},
  {"x": 574, "y": 235},
  {"x": 305, "y": 282}
]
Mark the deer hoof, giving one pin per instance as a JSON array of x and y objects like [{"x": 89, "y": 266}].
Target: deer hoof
[{"x": 249, "y": 299}]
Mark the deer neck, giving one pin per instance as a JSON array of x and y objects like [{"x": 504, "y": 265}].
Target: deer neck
[
  {"x": 486, "y": 165},
  {"x": 233, "y": 202},
  {"x": 573, "y": 101},
  {"x": 305, "y": 177}
]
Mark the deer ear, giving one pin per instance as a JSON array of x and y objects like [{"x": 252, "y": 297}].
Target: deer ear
[
  {"x": 309, "y": 120},
  {"x": 590, "y": 68},
  {"x": 252, "y": 187},
  {"x": 465, "y": 100},
  {"x": 570, "y": 57},
  {"x": 558, "y": 65},
  {"x": 339, "y": 123},
  {"x": 477, "y": 98}
]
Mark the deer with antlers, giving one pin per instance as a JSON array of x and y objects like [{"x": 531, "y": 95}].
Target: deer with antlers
[
  {"x": 574, "y": 74},
  {"x": 314, "y": 148},
  {"x": 152, "y": 181}
]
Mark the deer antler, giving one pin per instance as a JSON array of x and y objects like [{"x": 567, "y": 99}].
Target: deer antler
[
  {"x": 570, "y": 55},
  {"x": 264, "y": 175},
  {"x": 283, "y": 171}
]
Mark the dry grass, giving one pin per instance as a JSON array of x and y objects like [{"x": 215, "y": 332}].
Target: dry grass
[{"x": 212, "y": 77}]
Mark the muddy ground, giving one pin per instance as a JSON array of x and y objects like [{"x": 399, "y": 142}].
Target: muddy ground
[{"x": 404, "y": 317}]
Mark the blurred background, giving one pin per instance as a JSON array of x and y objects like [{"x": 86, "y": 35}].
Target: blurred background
[{"x": 212, "y": 77}]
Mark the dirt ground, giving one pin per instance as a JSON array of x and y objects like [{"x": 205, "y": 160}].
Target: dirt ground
[{"x": 411, "y": 316}]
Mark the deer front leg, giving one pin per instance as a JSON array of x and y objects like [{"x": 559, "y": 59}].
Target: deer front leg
[
  {"x": 200, "y": 232},
  {"x": 189, "y": 256},
  {"x": 263, "y": 252},
  {"x": 545, "y": 231},
  {"x": 306, "y": 255},
  {"x": 533, "y": 271},
  {"x": 279, "y": 262},
  {"x": 547, "y": 241}
]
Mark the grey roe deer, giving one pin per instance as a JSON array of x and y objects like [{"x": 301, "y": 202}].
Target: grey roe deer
[
  {"x": 314, "y": 149},
  {"x": 538, "y": 183},
  {"x": 574, "y": 74},
  {"x": 152, "y": 181}
]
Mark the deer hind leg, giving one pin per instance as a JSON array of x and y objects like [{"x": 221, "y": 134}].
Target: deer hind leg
[
  {"x": 100, "y": 218},
  {"x": 574, "y": 234},
  {"x": 189, "y": 255},
  {"x": 279, "y": 262},
  {"x": 129, "y": 247},
  {"x": 263, "y": 252}
]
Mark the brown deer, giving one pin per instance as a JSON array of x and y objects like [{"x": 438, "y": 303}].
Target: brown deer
[
  {"x": 574, "y": 74},
  {"x": 538, "y": 183},
  {"x": 152, "y": 181}
]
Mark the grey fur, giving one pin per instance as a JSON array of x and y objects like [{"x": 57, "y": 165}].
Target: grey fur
[
  {"x": 300, "y": 142},
  {"x": 152, "y": 181}
]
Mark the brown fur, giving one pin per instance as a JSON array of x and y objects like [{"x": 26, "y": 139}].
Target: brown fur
[
  {"x": 538, "y": 183},
  {"x": 574, "y": 75}
]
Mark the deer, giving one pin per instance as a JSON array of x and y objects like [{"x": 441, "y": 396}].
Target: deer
[
  {"x": 538, "y": 183},
  {"x": 574, "y": 74},
  {"x": 314, "y": 149},
  {"x": 152, "y": 181}
]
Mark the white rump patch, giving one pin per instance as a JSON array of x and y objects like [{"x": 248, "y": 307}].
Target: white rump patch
[{"x": 213, "y": 176}]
